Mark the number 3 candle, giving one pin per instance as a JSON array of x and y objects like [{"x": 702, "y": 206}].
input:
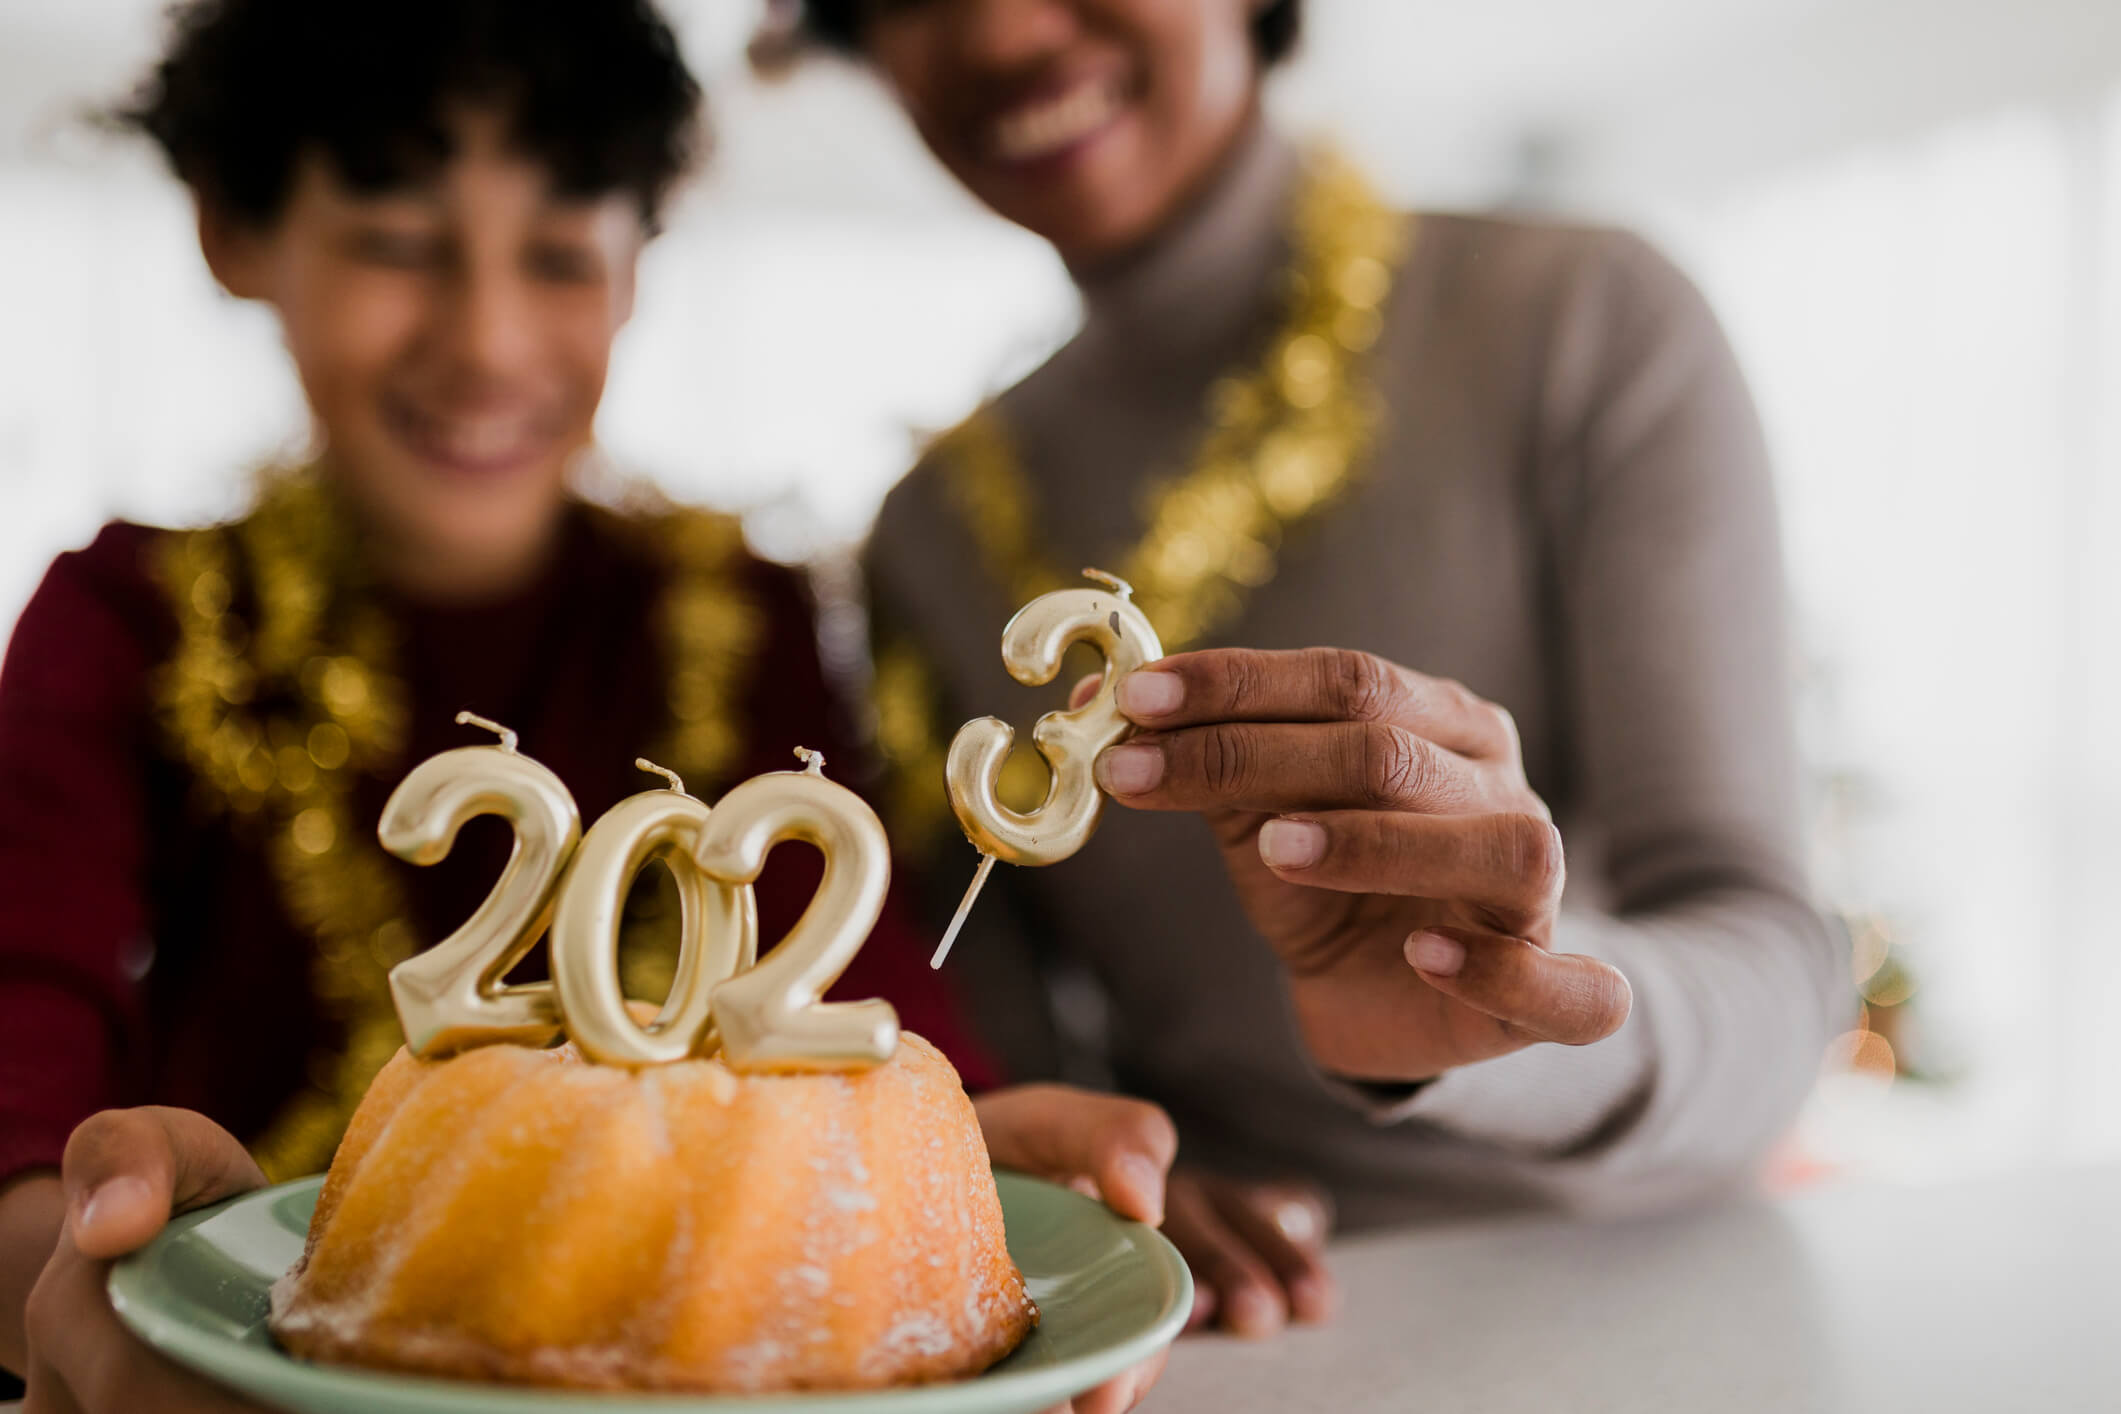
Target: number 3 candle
[{"x": 1032, "y": 646}]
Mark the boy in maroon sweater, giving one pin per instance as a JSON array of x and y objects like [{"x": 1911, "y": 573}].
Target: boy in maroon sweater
[{"x": 444, "y": 203}]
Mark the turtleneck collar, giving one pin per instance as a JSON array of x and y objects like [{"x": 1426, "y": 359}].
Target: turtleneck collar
[{"x": 1204, "y": 281}]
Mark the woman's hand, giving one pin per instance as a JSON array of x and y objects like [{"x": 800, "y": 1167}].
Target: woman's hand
[
  {"x": 1255, "y": 1251},
  {"x": 1105, "y": 1146},
  {"x": 1381, "y": 834},
  {"x": 125, "y": 1174}
]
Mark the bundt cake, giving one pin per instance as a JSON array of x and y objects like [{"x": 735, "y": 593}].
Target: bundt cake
[{"x": 519, "y": 1214}]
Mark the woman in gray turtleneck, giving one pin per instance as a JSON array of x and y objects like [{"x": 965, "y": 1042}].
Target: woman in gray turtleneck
[{"x": 1331, "y": 934}]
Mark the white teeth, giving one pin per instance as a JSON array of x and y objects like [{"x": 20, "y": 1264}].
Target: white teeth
[
  {"x": 1039, "y": 129},
  {"x": 484, "y": 440}
]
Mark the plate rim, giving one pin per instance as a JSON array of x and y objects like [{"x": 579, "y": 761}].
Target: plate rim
[{"x": 209, "y": 1354}]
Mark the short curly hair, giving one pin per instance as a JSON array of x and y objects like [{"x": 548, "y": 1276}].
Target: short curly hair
[
  {"x": 594, "y": 89},
  {"x": 1275, "y": 27}
]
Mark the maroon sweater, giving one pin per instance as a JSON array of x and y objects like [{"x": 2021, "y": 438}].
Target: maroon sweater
[{"x": 145, "y": 955}]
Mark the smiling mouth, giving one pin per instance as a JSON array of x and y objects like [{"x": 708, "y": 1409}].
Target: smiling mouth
[
  {"x": 1047, "y": 127},
  {"x": 481, "y": 445}
]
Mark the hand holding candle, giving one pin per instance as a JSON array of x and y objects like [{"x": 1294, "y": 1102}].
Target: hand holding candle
[
  {"x": 1032, "y": 646},
  {"x": 1384, "y": 839}
]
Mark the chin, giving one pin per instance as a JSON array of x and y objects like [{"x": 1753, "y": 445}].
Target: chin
[
  {"x": 493, "y": 515},
  {"x": 1093, "y": 216},
  {"x": 474, "y": 518}
]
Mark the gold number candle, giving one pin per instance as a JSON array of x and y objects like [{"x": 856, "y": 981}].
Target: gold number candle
[
  {"x": 718, "y": 930},
  {"x": 1032, "y": 647},
  {"x": 771, "y": 1018},
  {"x": 451, "y": 996}
]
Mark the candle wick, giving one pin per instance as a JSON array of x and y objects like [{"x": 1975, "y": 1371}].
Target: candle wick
[
  {"x": 677, "y": 784},
  {"x": 473, "y": 719},
  {"x": 813, "y": 761},
  {"x": 1112, "y": 582}
]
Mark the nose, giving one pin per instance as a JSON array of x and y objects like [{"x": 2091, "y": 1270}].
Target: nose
[
  {"x": 1014, "y": 34},
  {"x": 490, "y": 329}
]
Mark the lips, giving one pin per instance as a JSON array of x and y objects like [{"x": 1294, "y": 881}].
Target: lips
[
  {"x": 1054, "y": 122},
  {"x": 477, "y": 444}
]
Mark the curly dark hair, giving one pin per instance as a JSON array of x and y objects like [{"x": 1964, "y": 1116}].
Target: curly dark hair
[
  {"x": 593, "y": 89},
  {"x": 1275, "y": 27}
]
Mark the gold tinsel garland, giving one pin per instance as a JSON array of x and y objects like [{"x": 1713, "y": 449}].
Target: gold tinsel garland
[
  {"x": 1283, "y": 442},
  {"x": 317, "y": 649}
]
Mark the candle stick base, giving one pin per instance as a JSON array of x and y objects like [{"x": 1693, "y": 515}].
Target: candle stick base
[{"x": 964, "y": 910}]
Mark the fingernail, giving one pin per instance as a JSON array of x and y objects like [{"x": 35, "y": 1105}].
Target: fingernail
[
  {"x": 1292, "y": 844},
  {"x": 1308, "y": 1299},
  {"x": 1149, "y": 693},
  {"x": 111, "y": 1197},
  {"x": 1146, "y": 1183},
  {"x": 1252, "y": 1312},
  {"x": 1435, "y": 954},
  {"x": 1130, "y": 770}
]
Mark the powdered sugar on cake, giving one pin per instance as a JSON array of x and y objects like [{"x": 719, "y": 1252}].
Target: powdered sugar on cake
[{"x": 716, "y": 1230}]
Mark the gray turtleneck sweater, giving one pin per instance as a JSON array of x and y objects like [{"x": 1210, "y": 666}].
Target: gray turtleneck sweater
[{"x": 1568, "y": 510}]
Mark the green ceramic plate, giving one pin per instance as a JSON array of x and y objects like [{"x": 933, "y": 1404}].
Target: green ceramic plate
[{"x": 1110, "y": 1293}]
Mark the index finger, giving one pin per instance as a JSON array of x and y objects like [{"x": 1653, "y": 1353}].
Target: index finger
[
  {"x": 126, "y": 1171},
  {"x": 1313, "y": 685}
]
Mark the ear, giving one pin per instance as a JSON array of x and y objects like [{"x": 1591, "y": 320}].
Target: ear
[{"x": 235, "y": 249}]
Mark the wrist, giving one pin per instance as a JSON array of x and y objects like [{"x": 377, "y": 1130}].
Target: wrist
[{"x": 1366, "y": 1032}]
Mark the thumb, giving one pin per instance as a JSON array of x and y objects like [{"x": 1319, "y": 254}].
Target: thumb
[
  {"x": 1532, "y": 994},
  {"x": 1058, "y": 1131},
  {"x": 127, "y": 1171}
]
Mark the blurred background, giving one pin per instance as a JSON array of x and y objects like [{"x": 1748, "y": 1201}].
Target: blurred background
[{"x": 1907, "y": 211}]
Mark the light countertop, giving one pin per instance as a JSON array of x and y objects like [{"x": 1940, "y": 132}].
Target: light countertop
[{"x": 2000, "y": 1295}]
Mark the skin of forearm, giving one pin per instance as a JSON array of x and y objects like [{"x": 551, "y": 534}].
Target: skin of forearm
[{"x": 32, "y": 1212}]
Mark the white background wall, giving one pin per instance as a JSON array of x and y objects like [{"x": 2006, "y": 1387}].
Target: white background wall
[
  {"x": 1932, "y": 326},
  {"x": 1908, "y": 211}
]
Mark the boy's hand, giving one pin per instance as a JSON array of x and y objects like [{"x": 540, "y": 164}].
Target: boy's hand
[
  {"x": 126, "y": 1173},
  {"x": 1106, "y": 1146}
]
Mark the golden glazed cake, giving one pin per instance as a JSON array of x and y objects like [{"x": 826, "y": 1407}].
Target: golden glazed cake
[{"x": 522, "y": 1215}]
